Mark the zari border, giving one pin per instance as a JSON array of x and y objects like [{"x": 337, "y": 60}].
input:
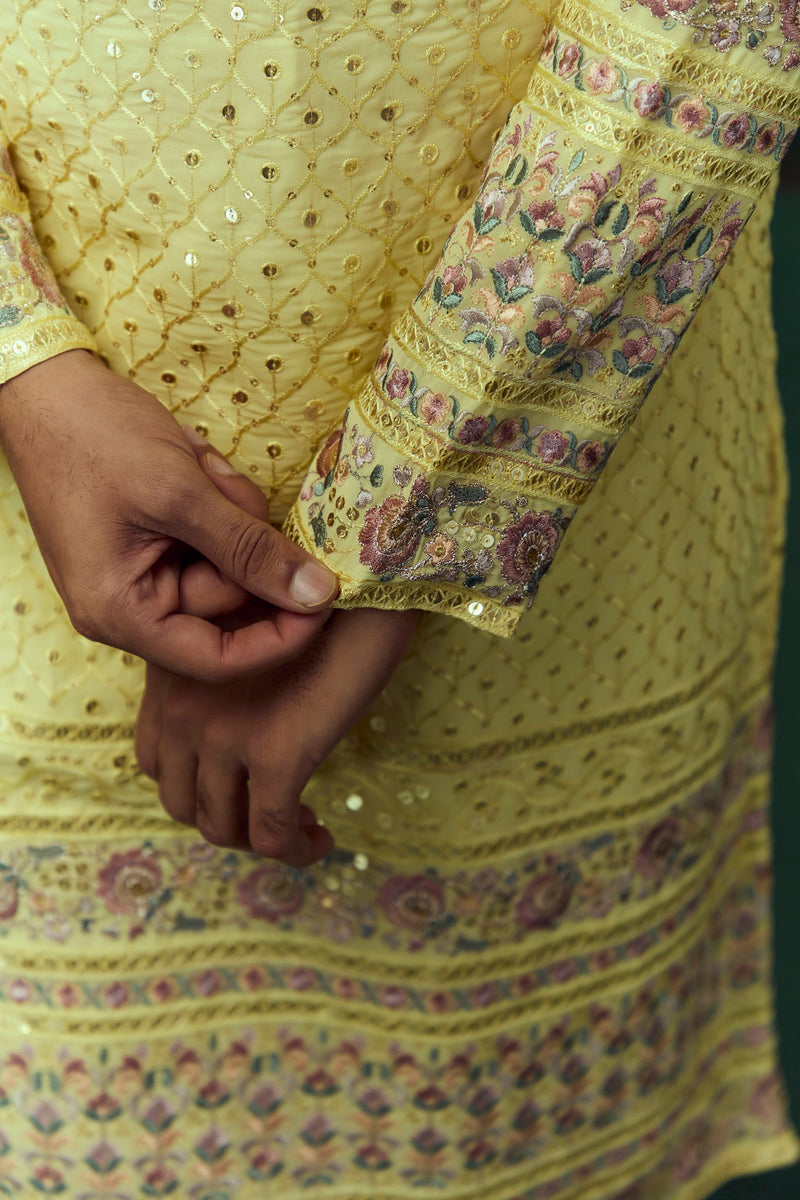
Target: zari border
[
  {"x": 692, "y": 901},
  {"x": 624, "y": 135},
  {"x": 453, "y": 365},
  {"x": 38, "y": 339},
  {"x": 400, "y": 596},
  {"x": 671, "y": 63},
  {"x": 537, "y": 1005},
  {"x": 411, "y": 440}
]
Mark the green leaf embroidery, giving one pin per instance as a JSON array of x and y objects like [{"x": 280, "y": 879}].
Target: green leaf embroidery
[
  {"x": 621, "y": 220},
  {"x": 603, "y": 213},
  {"x": 500, "y": 286},
  {"x": 620, "y": 362},
  {"x": 320, "y": 532}
]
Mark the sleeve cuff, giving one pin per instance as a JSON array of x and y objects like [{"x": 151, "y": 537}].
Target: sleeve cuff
[{"x": 34, "y": 342}]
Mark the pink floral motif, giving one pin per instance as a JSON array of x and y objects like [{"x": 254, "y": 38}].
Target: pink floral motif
[
  {"x": 434, "y": 407},
  {"x": 570, "y": 57},
  {"x": 527, "y": 548},
  {"x": 128, "y": 880},
  {"x": 454, "y": 280},
  {"x": 638, "y": 351},
  {"x": 552, "y": 445},
  {"x": 397, "y": 383},
  {"x": 725, "y": 33},
  {"x": 544, "y": 215},
  {"x": 649, "y": 100},
  {"x": 271, "y": 893},
  {"x": 440, "y": 549},
  {"x": 691, "y": 115},
  {"x": 544, "y": 900},
  {"x": 412, "y": 902},
  {"x": 390, "y": 535},
  {"x": 37, "y": 268},
  {"x": 602, "y": 76}
]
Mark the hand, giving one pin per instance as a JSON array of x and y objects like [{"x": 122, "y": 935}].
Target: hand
[
  {"x": 232, "y": 760},
  {"x": 115, "y": 496}
]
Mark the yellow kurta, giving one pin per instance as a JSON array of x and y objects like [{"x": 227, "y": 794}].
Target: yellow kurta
[{"x": 538, "y": 963}]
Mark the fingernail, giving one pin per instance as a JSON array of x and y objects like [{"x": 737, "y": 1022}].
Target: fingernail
[
  {"x": 218, "y": 465},
  {"x": 194, "y": 437},
  {"x": 312, "y": 584}
]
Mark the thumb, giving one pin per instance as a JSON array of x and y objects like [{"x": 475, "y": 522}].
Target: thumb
[{"x": 253, "y": 554}]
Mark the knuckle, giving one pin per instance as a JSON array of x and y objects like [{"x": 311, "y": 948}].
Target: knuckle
[
  {"x": 272, "y": 834},
  {"x": 206, "y": 822},
  {"x": 253, "y": 551},
  {"x": 85, "y": 623},
  {"x": 173, "y": 807}
]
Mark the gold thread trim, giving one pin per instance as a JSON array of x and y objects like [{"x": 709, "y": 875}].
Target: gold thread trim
[
  {"x": 400, "y": 595},
  {"x": 409, "y": 439},
  {"x": 428, "y": 757},
  {"x": 675, "y": 64},
  {"x": 37, "y": 339},
  {"x": 450, "y": 362},
  {"x": 496, "y": 964},
  {"x": 627, "y": 137}
]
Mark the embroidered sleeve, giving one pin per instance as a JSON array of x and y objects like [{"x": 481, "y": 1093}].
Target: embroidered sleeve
[
  {"x": 35, "y": 322},
  {"x": 610, "y": 201}
]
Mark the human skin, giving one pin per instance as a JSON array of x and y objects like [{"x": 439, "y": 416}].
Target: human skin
[
  {"x": 233, "y": 759},
  {"x": 115, "y": 497}
]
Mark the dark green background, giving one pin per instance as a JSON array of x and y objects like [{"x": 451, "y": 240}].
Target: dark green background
[{"x": 785, "y": 1185}]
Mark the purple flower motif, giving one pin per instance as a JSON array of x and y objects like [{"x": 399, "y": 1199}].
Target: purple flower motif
[
  {"x": 397, "y": 383},
  {"x": 594, "y": 255},
  {"x": 737, "y": 131},
  {"x": 506, "y": 435},
  {"x": 414, "y": 902},
  {"x": 649, "y": 100},
  {"x": 271, "y": 893},
  {"x": 127, "y": 880},
  {"x": 544, "y": 900},
  {"x": 552, "y": 446},
  {"x": 658, "y": 849},
  {"x": 527, "y": 548},
  {"x": 517, "y": 272},
  {"x": 590, "y": 457},
  {"x": 790, "y": 22},
  {"x": 725, "y": 34},
  {"x": 470, "y": 428},
  {"x": 390, "y": 535}
]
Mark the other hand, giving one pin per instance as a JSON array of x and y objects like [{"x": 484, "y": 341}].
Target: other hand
[{"x": 233, "y": 760}]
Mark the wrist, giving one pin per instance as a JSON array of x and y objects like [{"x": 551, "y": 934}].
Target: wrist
[{"x": 51, "y": 377}]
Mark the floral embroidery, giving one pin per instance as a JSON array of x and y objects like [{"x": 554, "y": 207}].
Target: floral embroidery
[
  {"x": 215, "y": 1117},
  {"x": 654, "y": 100},
  {"x": 749, "y": 24},
  {"x": 146, "y": 891},
  {"x": 413, "y": 532}
]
